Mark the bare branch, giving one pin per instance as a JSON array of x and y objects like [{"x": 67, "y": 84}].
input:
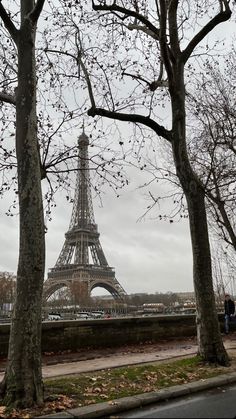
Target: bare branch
[
  {"x": 115, "y": 8},
  {"x": 135, "y": 118},
  {"x": 226, "y": 222},
  {"x": 9, "y": 25},
  {"x": 34, "y": 15},
  {"x": 144, "y": 29},
  {"x": 173, "y": 28},
  {"x": 165, "y": 53},
  {"x": 5, "y": 97},
  {"x": 222, "y": 16},
  {"x": 158, "y": 83}
]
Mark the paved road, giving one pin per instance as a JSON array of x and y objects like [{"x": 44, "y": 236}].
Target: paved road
[{"x": 216, "y": 403}]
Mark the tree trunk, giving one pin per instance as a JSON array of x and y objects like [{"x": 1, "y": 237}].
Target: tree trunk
[
  {"x": 22, "y": 384},
  {"x": 210, "y": 344}
]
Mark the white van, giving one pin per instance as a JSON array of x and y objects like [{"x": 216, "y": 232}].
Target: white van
[
  {"x": 83, "y": 316},
  {"x": 98, "y": 314},
  {"x": 54, "y": 316}
]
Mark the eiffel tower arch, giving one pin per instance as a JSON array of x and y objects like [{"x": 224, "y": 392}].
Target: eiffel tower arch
[{"x": 82, "y": 261}]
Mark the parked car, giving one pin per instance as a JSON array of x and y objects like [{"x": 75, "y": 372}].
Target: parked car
[
  {"x": 97, "y": 314},
  {"x": 68, "y": 316},
  {"x": 54, "y": 316},
  {"x": 83, "y": 316}
]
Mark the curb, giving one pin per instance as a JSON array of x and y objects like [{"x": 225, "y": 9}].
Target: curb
[{"x": 105, "y": 409}]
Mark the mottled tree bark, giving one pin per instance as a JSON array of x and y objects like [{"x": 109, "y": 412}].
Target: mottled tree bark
[
  {"x": 22, "y": 384},
  {"x": 210, "y": 345}
]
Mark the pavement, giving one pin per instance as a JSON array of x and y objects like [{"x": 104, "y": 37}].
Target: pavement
[
  {"x": 119, "y": 360},
  {"x": 158, "y": 353}
]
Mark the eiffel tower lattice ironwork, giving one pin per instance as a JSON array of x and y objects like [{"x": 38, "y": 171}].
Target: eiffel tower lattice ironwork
[{"x": 82, "y": 261}]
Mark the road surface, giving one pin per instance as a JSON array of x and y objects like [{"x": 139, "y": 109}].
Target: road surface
[{"x": 215, "y": 403}]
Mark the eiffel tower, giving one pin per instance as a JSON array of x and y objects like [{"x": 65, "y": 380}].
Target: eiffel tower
[{"x": 82, "y": 263}]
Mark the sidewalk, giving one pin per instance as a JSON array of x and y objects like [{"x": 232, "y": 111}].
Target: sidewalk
[
  {"x": 113, "y": 361},
  {"x": 165, "y": 352},
  {"x": 116, "y": 357}
]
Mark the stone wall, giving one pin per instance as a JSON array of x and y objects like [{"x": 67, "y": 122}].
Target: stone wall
[
  {"x": 75, "y": 334},
  {"x": 4, "y": 338}
]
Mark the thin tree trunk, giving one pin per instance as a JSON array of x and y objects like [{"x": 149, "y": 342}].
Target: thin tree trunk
[
  {"x": 210, "y": 345},
  {"x": 210, "y": 342},
  {"x": 227, "y": 225},
  {"x": 22, "y": 384}
]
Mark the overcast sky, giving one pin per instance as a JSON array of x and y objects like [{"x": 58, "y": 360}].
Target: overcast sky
[{"x": 148, "y": 256}]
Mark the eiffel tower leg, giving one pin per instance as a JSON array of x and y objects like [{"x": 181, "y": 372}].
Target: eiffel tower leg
[{"x": 80, "y": 291}]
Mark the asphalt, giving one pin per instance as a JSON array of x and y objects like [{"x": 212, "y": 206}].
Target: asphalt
[{"x": 163, "y": 353}]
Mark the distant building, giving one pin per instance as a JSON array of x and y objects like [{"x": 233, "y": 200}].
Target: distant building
[
  {"x": 153, "y": 308},
  {"x": 186, "y": 296}
]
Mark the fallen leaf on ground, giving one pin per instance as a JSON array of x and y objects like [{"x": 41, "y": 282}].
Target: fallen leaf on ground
[{"x": 2, "y": 409}]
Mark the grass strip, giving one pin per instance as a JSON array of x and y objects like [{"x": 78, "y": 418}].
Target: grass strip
[{"x": 106, "y": 385}]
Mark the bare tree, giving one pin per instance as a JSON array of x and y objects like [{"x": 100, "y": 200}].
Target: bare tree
[
  {"x": 223, "y": 262},
  {"x": 213, "y": 145},
  {"x": 25, "y": 80},
  {"x": 212, "y": 151},
  {"x": 161, "y": 35},
  {"x": 22, "y": 384}
]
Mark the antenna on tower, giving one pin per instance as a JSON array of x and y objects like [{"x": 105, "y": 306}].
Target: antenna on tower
[{"x": 83, "y": 127}]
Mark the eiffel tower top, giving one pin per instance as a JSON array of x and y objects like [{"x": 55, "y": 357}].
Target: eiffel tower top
[
  {"x": 82, "y": 223},
  {"x": 83, "y": 139},
  {"x": 82, "y": 213}
]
